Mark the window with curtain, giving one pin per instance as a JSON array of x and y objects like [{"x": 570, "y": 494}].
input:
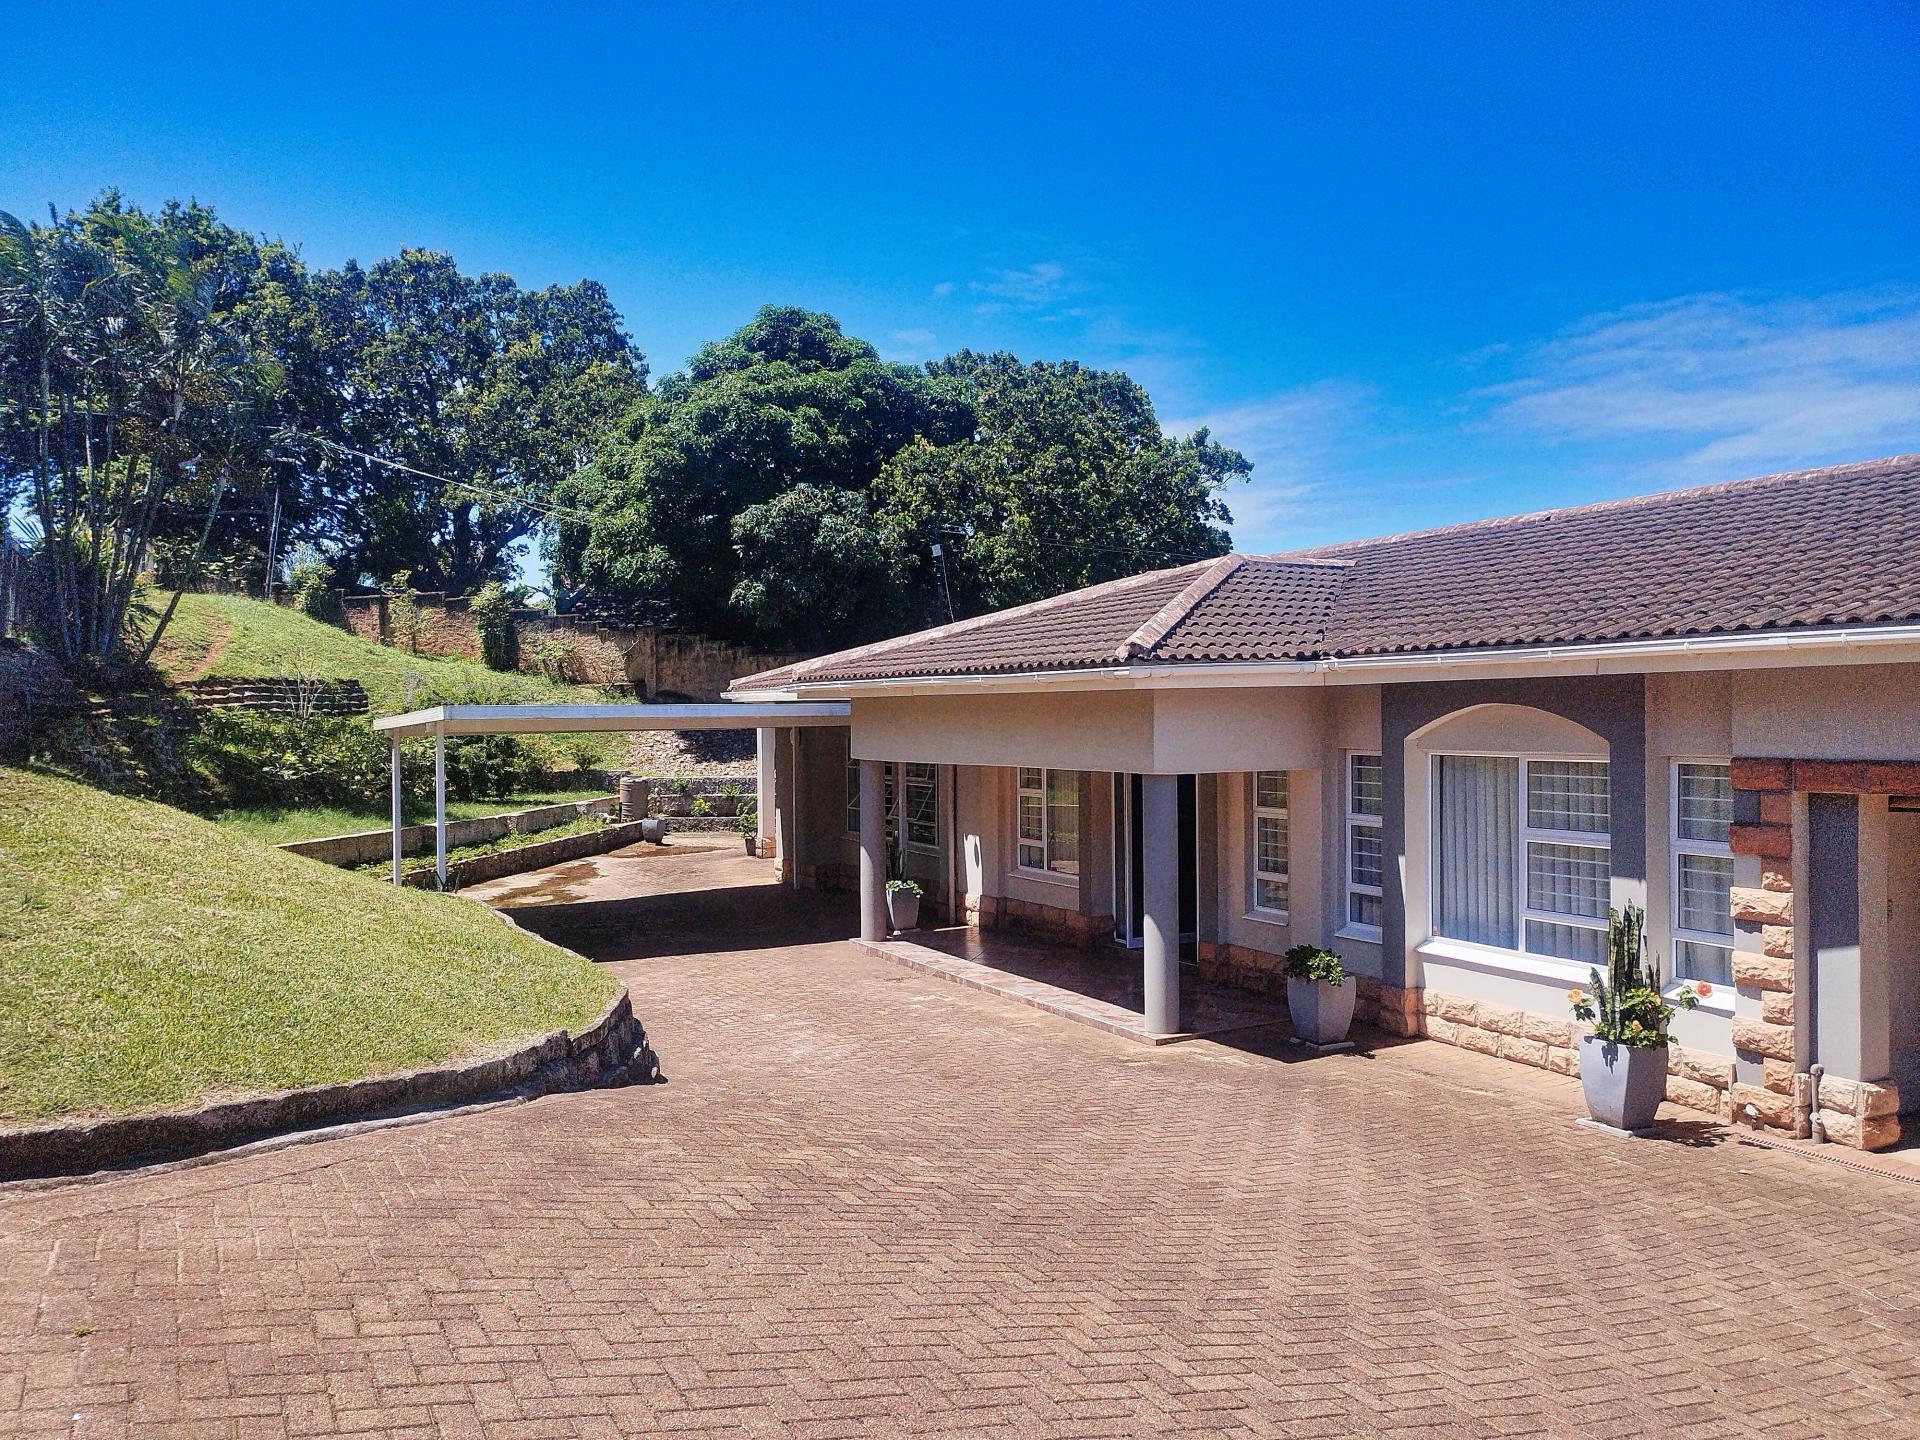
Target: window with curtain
[
  {"x": 1047, "y": 820},
  {"x": 1269, "y": 839},
  {"x": 1702, "y": 877},
  {"x": 1522, "y": 854},
  {"x": 1366, "y": 864},
  {"x": 922, "y": 786}
]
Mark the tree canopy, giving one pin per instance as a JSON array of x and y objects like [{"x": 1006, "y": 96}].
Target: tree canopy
[
  {"x": 790, "y": 486},
  {"x": 501, "y": 392},
  {"x": 172, "y": 389},
  {"x": 676, "y": 508}
]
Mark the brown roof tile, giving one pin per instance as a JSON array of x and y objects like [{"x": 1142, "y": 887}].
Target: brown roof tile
[{"x": 1815, "y": 547}]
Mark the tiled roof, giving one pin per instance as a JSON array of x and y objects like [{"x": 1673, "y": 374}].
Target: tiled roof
[{"x": 1814, "y": 547}]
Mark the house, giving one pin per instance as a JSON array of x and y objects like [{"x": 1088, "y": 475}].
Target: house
[{"x": 1444, "y": 755}]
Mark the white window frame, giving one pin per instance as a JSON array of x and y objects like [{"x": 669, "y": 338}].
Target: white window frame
[
  {"x": 1578, "y": 839},
  {"x": 1525, "y": 834},
  {"x": 1678, "y": 845},
  {"x": 1257, "y": 811},
  {"x": 930, "y": 782},
  {"x": 890, "y": 789},
  {"x": 1045, "y": 842},
  {"x": 853, "y": 792},
  {"x": 1350, "y": 927}
]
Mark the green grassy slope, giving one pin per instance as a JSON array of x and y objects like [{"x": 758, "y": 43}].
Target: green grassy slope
[
  {"x": 247, "y": 637},
  {"x": 149, "y": 959}
]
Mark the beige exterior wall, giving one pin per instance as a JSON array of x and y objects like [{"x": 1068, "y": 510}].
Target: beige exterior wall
[
  {"x": 1842, "y": 712},
  {"x": 1166, "y": 732}
]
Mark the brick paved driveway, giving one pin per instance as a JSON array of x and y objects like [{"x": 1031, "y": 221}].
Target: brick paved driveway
[{"x": 873, "y": 1203}]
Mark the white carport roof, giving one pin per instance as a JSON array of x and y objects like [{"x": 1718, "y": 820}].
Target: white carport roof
[{"x": 563, "y": 719}]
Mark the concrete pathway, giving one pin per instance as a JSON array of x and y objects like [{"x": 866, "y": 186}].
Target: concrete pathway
[{"x": 876, "y": 1203}]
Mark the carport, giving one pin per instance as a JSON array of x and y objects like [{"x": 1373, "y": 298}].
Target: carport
[{"x": 441, "y": 721}]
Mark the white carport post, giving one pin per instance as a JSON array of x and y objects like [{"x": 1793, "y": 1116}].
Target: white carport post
[
  {"x": 396, "y": 809},
  {"x": 1160, "y": 928},
  {"x": 768, "y": 805},
  {"x": 440, "y": 804},
  {"x": 873, "y": 850}
]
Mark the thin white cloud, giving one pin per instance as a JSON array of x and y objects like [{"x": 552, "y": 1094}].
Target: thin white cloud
[
  {"x": 1295, "y": 439},
  {"x": 911, "y": 345},
  {"x": 1718, "y": 385},
  {"x": 1031, "y": 288}
]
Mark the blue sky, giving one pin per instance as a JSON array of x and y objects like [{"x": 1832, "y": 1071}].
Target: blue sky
[{"x": 1422, "y": 263}]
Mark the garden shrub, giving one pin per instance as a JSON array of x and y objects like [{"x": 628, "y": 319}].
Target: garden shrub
[
  {"x": 310, "y": 583},
  {"x": 263, "y": 757},
  {"x": 492, "y": 611}
]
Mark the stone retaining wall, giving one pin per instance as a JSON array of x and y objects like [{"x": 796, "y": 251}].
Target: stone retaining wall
[
  {"x": 610, "y": 1050},
  {"x": 365, "y": 845},
  {"x": 278, "y": 693},
  {"x": 654, "y": 663},
  {"x": 536, "y": 856}
]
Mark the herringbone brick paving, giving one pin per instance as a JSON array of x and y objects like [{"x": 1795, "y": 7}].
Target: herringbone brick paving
[{"x": 871, "y": 1203}]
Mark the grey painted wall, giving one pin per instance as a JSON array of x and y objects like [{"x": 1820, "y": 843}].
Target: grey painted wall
[{"x": 1614, "y": 707}]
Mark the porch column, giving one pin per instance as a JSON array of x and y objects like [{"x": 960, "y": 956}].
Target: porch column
[
  {"x": 395, "y": 749},
  {"x": 440, "y": 806},
  {"x": 793, "y": 802},
  {"x": 873, "y": 850},
  {"x": 1160, "y": 880}
]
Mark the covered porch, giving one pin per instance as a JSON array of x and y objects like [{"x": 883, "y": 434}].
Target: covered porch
[
  {"x": 442, "y": 722},
  {"x": 1103, "y": 987}
]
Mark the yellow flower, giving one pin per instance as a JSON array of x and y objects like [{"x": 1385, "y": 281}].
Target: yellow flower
[{"x": 1574, "y": 997}]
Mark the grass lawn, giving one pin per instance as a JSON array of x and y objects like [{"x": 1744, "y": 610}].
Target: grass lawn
[
  {"x": 149, "y": 959},
  {"x": 276, "y": 825},
  {"x": 230, "y": 635}
]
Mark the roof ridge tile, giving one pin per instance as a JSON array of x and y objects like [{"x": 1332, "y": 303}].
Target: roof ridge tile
[{"x": 1150, "y": 634}]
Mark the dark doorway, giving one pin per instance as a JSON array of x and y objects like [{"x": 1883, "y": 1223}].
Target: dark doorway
[{"x": 1129, "y": 870}]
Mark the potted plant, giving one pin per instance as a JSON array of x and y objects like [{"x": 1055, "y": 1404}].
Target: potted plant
[
  {"x": 1623, "y": 1063},
  {"x": 726, "y": 800},
  {"x": 903, "y": 904},
  {"x": 1320, "y": 995},
  {"x": 749, "y": 823}
]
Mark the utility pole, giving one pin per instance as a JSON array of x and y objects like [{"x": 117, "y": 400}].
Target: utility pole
[
  {"x": 940, "y": 564},
  {"x": 273, "y": 542}
]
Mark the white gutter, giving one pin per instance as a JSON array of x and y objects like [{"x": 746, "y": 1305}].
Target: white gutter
[
  {"x": 571, "y": 719},
  {"x": 1708, "y": 652}
]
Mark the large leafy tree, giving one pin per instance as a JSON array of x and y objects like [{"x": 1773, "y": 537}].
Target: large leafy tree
[
  {"x": 475, "y": 400},
  {"x": 1066, "y": 480},
  {"x": 129, "y": 397},
  {"x": 732, "y": 497}
]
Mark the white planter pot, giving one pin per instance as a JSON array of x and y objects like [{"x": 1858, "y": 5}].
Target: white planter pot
[
  {"x": 1624, "y": 1084},
  {"x": 1321, "y": 1013},
  {"x": 903, "y": 909}
]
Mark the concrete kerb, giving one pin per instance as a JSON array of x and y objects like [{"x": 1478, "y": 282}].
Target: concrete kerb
[{"x": 611, "y": 1050}]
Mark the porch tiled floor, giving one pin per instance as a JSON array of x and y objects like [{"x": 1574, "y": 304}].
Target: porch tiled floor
[{"x": 1097, "y": 988}]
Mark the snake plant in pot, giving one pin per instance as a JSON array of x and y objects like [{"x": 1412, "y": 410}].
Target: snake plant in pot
[
  {"x": 903, "y": 895},
  {"x": 1320, "y": 995},
  {"x": 1623, "y": 1063}
]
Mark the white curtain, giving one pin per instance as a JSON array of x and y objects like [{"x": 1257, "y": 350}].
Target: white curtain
[{"x": 1476, "y": 834}]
